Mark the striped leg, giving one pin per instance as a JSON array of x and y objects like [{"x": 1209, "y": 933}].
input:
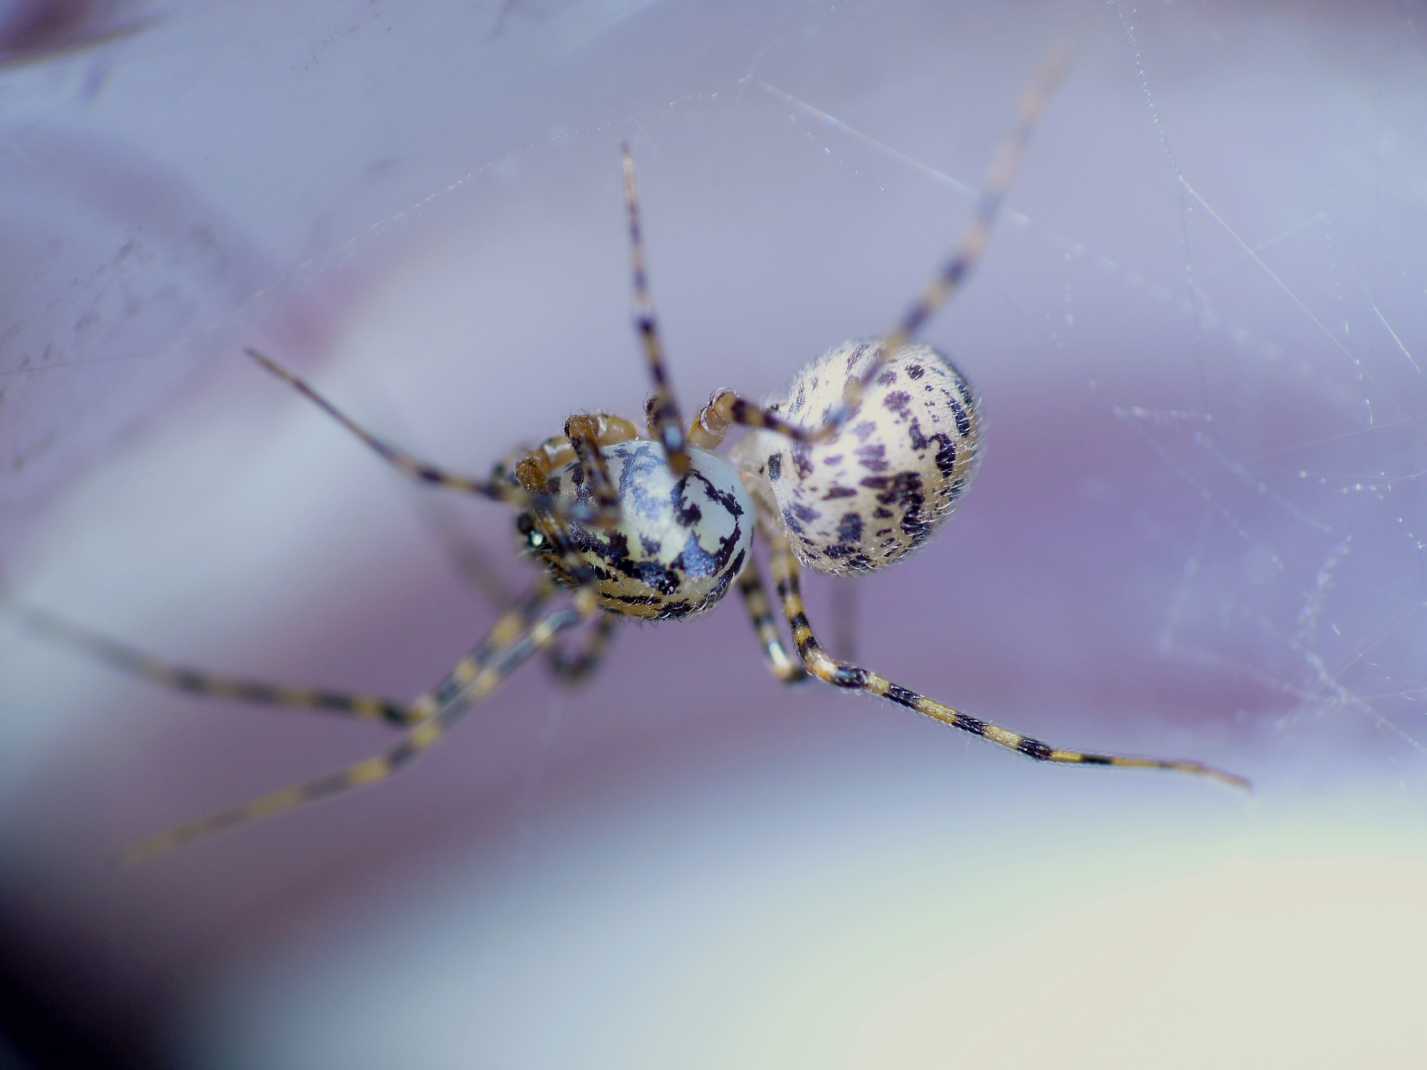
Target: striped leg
[
  {"x": 496, "y": 488},
  {"x": 571, "y": 668},
  {"x": 666, "y": 426},
  {"x": 577, "y": 667},
  {"x": 726, "y": 408},
  {"x": 846, "y": 675},
  {"x": 755, "y": 598},
  {"x": 582, "y": 441},
  {"x": 197, "y": 682},
  {"x": 473, "y": 679},
  {"x": 416, "y": 469},
  {"x": 587, "y": 434}
]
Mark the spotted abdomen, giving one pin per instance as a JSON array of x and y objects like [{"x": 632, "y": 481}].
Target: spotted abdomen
[
  {"x": 880, "y": 489},
  {"x": 679, "y": 544}
]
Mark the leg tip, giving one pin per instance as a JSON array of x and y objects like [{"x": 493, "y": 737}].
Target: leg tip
[
  {"x": 273, "y": 367},
  {"x": 1241, "y": 783}
]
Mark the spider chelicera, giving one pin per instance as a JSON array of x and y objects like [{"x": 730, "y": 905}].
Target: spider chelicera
[{"x": 853, "y": 469}]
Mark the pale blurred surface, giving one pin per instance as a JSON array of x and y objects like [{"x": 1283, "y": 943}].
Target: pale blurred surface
[{"x": 1199, "y": 531}]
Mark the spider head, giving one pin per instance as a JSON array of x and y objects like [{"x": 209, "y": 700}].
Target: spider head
[{"x": 674, "y": 546}]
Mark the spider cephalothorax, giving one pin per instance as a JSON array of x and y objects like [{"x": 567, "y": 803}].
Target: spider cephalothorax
[
  {"x": 855, "y": 468},
  {"x": 675, "y": 545},
  {"x": 894, "y": 472}
]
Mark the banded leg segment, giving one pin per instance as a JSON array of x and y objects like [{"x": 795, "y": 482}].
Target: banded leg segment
[
  {"x": 472, "y": 680},
  {"x": 408, "y": 465},
  {"x": 583, "y": 440},
  {"x": 572, "y": 668},
  {"x": 787, "y": 669},
  {"x": 726, "y": 408},
  {"x": 198, "y": 682},
  {"x": 852, "y": 677},
  {"x": 569, "y": 667},
  {"x": 666, "y": 426}
]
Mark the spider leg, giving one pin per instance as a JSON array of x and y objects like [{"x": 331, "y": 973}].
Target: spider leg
[
  {"x": 852, "y": 677},
  {"x": 472, "y": 680},
  {"x": 575, "y": 668},
  {"x": 199, "y": 682},
  {"x": 584, "y": 437},
  {"x": 581, "y": 443},
  {"x": 495, "y": 488},
  {"x": 787, "y": 669},
  {"x": 570, "y": 669},
  {"x": 726, "y": 408},
  {"x": 665, "y": 424},
  {"x": 587, "y": 434},
  {"x": 404, "y": 462},
  {"x": 475, "y": 566}
]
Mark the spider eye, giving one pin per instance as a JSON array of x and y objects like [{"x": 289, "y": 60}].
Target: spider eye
[{"x": 534, "y": 538}]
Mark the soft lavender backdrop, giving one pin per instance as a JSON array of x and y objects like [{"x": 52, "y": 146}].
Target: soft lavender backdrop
[{"x": 1199, "y": 530}]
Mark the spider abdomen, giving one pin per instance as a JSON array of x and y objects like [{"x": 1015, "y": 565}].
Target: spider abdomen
[
  {"x": 897, "y": 470},
  {"x": 679, "y": 542}
]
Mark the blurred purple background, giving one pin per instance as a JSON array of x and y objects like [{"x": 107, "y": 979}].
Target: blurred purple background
[{"x": 1199, "y": 531}]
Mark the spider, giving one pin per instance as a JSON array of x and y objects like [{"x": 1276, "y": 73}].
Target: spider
[{"x": 856, "y": 467}]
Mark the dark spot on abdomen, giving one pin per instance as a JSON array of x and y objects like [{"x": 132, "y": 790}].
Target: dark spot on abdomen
[
  {"x": 849, "y": 528},
  {"x": 873, "y": 458},
  {"x": 946, "y": 456},
  {"x": 897, "y": 401},
  {"x": 963, "y": 422}
]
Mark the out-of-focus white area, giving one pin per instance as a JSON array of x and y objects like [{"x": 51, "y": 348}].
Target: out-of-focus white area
[
  {"x": 961, "y": 939},
  {"x": 1199, "y": 530}
]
